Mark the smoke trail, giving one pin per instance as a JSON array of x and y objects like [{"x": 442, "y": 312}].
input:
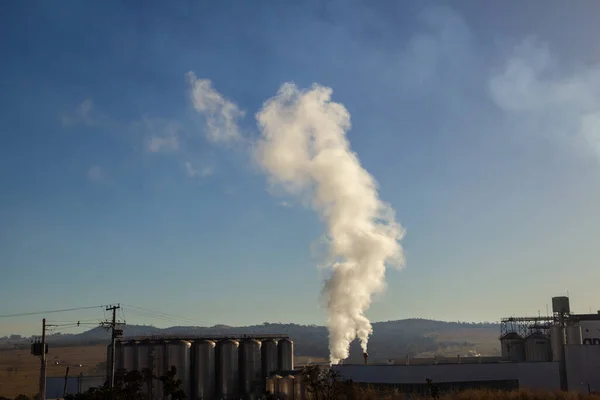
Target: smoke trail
[{"x": 303, "y": 148}]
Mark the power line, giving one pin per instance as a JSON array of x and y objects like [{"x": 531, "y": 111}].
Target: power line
[
  {"x": 162, "y": 315},
  {"x": 47, "y": 312}
]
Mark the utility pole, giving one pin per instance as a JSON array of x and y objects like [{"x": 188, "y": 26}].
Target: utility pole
[
  {"x": 40, "y": 349},
  {"x": 115, "y": 333},
  {"x": 43, "y": 363},
  {"x": 65, "y": 385}
]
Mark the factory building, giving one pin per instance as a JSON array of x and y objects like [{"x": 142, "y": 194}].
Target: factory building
[
  {"x": 232, "y": 367},
  {"x": 561, "y": 351}
]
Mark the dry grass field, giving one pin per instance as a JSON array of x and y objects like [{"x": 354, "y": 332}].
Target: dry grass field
[
  {"x": 20, "y": 371},
  {"x": 484, "y": 340},
  {"x": 488, "y": 395}
]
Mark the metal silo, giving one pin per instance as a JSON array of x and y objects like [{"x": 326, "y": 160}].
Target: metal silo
[
  {"x": 128, "y": 357},
  {"x": 119, "y": 359},
  {"x": 268, "y": 355},
  {"x": 251, "y": 383},
  {"x": 574, "y": 334},
  {"x": 557, "y": 336},
  {"x": 285, "y": 355},
  {"x": 227, "y": 369},
  {"x": 108, "y": 360},
  {"x": 149, "y": 359},
  {"x": 272, "y": 384},
  {"x": 299, "y": 389},
  {"x": 285, "y": 387},
  {"x": 177, "y": 354},
  {"x": 203, "y": 367},
  {"x": 512, "y": 347},
  {"x": 538, "y": 347}
]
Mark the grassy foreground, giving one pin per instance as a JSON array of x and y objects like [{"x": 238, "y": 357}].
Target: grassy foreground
[
  {"x": 20, "y": 371},
  {"x": 483, "y": 395}
]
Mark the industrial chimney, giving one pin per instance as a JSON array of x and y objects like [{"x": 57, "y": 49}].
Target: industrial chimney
[{"x": 366, "y": 357}]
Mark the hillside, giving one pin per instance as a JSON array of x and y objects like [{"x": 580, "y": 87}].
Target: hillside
[{"x": 391, "y": 339}]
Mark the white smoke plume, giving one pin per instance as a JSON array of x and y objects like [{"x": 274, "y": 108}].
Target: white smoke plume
[
  {"x": 303, "y": 147},
  {"x": 221, "y": 115}
]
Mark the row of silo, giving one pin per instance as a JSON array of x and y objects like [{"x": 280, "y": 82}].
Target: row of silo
[
  {"x": 539, "y": 346},
  {"x": 533, "y": 348},
  {"x": 209, "y": 369},
  {"x": 289, "y": 387}
]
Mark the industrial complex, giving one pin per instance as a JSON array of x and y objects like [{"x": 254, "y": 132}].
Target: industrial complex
[
  {"x": 556, "y": 352},
  {"x": 561, "y": 351}
]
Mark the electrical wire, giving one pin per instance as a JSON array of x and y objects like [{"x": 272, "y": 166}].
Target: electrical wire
[
  {"x": 54, "y": 321},
  {"x": 161, "y": 315},
  {"x": 158, "y": 317},
  {"x": 155, "y": 313},
  {"x": 48, "y": 312}
]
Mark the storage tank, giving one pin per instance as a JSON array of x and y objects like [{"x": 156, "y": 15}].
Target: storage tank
[
  {"x": 299, "y": 391},
  {"x": 557, "y": 337},
  {"x": 109, "y": 359},
  {"x": 268, "y": 357},
  {"x": 227, "y": 369},
  {"x": 177, "y": 354},
  {"x": 149, "y": 356},
  {"x": 128, "y": 357},
  {"x": 574, "y": 334},
  {"x": 203, "y": 367},
  {"x": 251, "y": 384},
  {"x": 538, "y": 347},
  {"x": 285, "y": 355},
  {"x": 272, "y": 384},
  {"x": 512, "y": 347},
  {"x": 285, "y": 387},
  {"x": 560, "y": 304}
]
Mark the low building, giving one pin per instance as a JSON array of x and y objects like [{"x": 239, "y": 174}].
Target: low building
[
  {"x": 555, "y": 352},
  {"x": 454, "y": 377}
]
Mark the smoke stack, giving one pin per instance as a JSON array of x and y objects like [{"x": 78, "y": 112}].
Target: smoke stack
[{"x": 366, "y": 357}]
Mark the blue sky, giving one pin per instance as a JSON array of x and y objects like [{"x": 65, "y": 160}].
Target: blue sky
[{"x": 480, "y": 122}]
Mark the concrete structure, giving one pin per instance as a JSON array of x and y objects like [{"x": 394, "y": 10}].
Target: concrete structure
[
  {"x": 583, "y": 364},
  {"x": 550, "y": 353},
  {"x": 412, "y": 378}
]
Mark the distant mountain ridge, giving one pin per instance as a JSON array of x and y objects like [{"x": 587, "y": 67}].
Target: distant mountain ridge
[{"x": 390, "y": 339}]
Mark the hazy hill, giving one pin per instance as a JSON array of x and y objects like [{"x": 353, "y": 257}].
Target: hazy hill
[{"x": 391, "y": 339}]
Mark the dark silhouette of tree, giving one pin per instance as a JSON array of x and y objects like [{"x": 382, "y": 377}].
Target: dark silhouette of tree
[
  {"x": 132, "y": 385},
  {"x": 172, "y": 385},
  {"x": 326, "y": 384}
]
